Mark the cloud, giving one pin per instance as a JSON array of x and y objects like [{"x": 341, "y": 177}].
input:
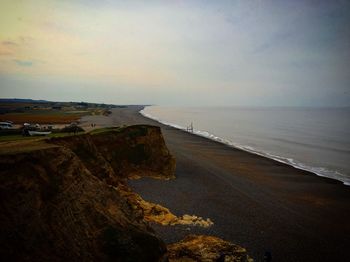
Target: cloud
[
  {"x": 8, "y": 43},
  {"x": 11, "y": 47},
  {"x": 4, "y": 52},
  {"x": 6, "y": 48},
  {"x": 20, "y": 40},
  {"x": 278, "y": 38},
  {"x": 25, "y": 63}
]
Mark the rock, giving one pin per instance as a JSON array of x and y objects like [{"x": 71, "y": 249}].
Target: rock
[
  {"x": 158, "y": 214},
  {"x": 206, "y": 249}
]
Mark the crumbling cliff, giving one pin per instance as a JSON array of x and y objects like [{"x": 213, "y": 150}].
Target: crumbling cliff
[
  {"x": 114, "y": 154},
  {"x": 66, "y": 198}
]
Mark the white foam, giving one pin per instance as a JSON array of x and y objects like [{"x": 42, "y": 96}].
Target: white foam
[{"x": 320, "y": 171}]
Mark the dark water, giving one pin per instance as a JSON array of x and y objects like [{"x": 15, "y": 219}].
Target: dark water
[{"x": 314, "y": 139}]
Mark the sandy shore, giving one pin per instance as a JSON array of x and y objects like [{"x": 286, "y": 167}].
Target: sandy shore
[{"x": 255, "y": 202}]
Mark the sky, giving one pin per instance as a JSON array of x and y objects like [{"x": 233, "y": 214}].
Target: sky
[{"x": 202, "y": 53}]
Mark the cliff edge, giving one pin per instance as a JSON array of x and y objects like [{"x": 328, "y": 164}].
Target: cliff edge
[{"x": 66, "y": 198}]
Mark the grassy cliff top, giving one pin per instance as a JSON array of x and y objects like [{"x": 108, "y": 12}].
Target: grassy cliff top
[
  {"x": 22, "y": 146},
  {"x": 13, "y": 144}
]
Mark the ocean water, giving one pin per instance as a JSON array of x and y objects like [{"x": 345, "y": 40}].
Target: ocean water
[{"x": 313, "y": 139}]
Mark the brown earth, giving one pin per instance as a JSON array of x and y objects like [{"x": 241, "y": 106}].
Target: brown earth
[{"x": 37, "y": 118}]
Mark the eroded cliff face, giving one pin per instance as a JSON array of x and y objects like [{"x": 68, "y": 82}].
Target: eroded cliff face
[
  {"x": 66, "y": 199},
  {"x": 128, "y": 152},
  {"x": 61, "y": 203}
]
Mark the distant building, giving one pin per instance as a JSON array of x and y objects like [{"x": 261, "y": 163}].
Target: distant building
[{"x": 81, "y": 107}]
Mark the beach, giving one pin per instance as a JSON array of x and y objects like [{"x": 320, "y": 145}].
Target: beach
[{"x": 258, "y": 203}]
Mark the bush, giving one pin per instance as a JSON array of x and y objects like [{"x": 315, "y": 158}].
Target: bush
[
  {"x": 8, "y": 132},
  {"x": 72, "y": 129}
]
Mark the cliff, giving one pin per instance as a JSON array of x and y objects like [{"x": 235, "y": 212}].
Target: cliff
[
  {"x": 58, "y": 201},
  {"x": 66, "y": 198},
  {"x": 120, "y": 153}
]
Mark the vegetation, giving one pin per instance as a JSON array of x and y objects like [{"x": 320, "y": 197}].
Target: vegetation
[
  {"x": 137, "y": 131},
  {"x": 45, "y": 112},
  {"x": 106, "y": 129},
  {"x": 10, "y": 132},
  {"x": 5, "y": 138},
  {"x": 72, "y": 129},
  {"x": 65, "y": 134}
]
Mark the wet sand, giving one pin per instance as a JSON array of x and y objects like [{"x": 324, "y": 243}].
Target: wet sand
[{"x": 255, "y": 202}]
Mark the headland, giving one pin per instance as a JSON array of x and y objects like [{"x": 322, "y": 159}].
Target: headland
[{"x": 253, "y": 201}]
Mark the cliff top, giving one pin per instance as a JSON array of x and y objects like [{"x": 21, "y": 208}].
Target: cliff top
[{"x": 28, "y": 144}]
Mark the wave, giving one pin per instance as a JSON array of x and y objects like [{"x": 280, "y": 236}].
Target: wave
[
  {"x": 320, "y": 171},
  {"x": 312, "y": 145}
]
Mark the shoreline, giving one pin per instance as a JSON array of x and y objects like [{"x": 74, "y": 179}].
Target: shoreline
[
  {"x": 229, "y": 143},
  {"x": 254, "y": 201}
]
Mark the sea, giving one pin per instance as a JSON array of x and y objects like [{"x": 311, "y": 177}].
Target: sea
[{"x": 312, "y": 139}]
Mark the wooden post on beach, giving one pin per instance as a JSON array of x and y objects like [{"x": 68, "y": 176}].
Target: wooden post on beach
[{"x": 190, "y": 128}]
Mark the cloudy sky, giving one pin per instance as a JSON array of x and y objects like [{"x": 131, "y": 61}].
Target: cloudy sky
[{"x": 273, "y": 53}]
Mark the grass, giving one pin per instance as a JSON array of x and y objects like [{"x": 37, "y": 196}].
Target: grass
[
  {"x": 136, "y": 131},
  {"x": 15, "y": 137},
  {"x": 52, "y": 135},
  {"x": 20, "y": 146},
  {"x": 6, "y": 138},
  {"x": 56, "y": 135},
  {"x": 106, "y": 129}
]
